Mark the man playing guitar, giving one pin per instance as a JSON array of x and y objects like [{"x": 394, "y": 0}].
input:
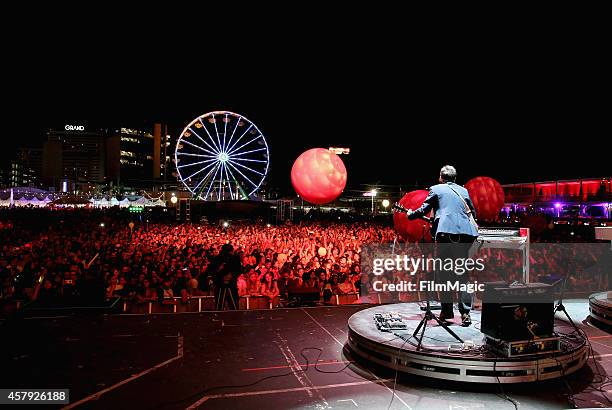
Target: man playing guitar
[{"x": 453, "y": 224}]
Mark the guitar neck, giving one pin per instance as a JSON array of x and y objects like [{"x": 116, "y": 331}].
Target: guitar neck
[{"x": 400, "y": 208}]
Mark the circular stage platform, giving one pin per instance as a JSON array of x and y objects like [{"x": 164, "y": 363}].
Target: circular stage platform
[
  {"x": 397, "y": 350},
  {"x": 600, "y": 308}
]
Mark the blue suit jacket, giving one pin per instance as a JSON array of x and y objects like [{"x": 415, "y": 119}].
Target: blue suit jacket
[{"x": 450, "y": 215}]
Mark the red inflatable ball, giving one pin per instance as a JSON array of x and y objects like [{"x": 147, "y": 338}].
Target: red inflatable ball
[
  {"x": 416, "y": 230},
  {"x": 488, "y": 197},
  {"x": 318, "y": 176}
]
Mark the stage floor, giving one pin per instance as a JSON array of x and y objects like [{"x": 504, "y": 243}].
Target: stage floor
[
  {"x": 171, "y": 361},
  {"x": 398, "y": 349}
]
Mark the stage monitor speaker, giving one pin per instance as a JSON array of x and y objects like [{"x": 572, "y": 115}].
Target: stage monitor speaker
[{"x": 517, "y": 312}]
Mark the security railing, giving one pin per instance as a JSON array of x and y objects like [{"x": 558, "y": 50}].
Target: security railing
[{"x": 207, "y": 303}]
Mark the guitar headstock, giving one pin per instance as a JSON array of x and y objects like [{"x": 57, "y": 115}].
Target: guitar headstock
[{"x": 397, "y": 207}]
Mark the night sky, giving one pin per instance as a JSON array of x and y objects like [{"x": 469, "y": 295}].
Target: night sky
[{"x": 513, "y": 125}]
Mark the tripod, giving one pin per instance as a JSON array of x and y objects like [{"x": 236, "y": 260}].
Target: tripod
[
  {"x": 561, "y": 308},
  {"x": 423, "y": 324},
  {"x": 429, "y": 315},
  {"x": 221, "y": 295}
]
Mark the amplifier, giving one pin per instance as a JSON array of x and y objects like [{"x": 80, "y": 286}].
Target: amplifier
[
  {"x": 515, "y": 313},
  {"x": 525, "y": 347}
]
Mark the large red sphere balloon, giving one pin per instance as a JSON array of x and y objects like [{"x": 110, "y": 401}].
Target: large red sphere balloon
[
  {"x": 487, "y": 196},
  {"x": 318, "y": 176},
  {"x": 416, "y": 230}
]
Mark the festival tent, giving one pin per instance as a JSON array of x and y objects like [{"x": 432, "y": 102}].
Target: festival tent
[
  {"x": 142, "y": 201},
  {"x": 159, "y": 202},
  {"x": 103, "y": 203},
  {"x": 71, "y": 200}
]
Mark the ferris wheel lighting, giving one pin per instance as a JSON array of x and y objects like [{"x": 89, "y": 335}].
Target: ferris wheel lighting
[
  {"x": 244, "y": 145},
  {"x": 203, "y": 179},
  {"x": 216, "y": 130},
  {"x": 238, "y": 140},
  {"x": 243, "y": 166},
  {"x": 200, "y": 170},
  {"x": 213, "y": 178},
  {"x": 205, "y": 143},
  {"x": 248, "y": 160},
  {"x": 233, "y": 132},
  {"x": 245, "y": 177},
  {"x": 195, "y": 163},
  {"x": 249, "y": 152},
  {"x": 218, "y": 148},
  {"x": 222, "y": 158},
  {"x": 198, "y": 147}
]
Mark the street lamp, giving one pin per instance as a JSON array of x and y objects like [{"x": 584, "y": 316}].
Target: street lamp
[
  {"x": 385, "y": 203},
  {"x": 373, "y": 194}
]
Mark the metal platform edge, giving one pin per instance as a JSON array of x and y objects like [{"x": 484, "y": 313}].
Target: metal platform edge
[{"x": 463, "y": 369}]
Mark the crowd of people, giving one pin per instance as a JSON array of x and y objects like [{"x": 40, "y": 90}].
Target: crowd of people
[
  {"x": 94, "y": 254},
  {"x": 63, "y": 256}
]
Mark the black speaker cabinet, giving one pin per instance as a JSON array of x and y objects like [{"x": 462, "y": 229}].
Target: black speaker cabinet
[{"x": 518, "y": 312}]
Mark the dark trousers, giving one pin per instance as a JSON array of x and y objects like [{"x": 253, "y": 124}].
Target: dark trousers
[{"x": 454, "y": 246}]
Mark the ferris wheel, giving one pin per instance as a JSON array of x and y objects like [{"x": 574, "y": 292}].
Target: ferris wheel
[{"x": 222, "y": 155}]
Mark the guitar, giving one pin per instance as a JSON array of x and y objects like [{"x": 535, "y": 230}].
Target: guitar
[{"x": 432, "y": 224}]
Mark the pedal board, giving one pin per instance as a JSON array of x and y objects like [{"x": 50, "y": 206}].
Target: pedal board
[{"x": 387, "y": 322}]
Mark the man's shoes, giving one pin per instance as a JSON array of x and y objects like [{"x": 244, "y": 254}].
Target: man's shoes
[
  {"x": 466, "y": 320},
  {"x": 445, "y": 317}
]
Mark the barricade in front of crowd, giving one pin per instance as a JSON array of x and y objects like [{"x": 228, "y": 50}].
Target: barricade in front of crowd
[
  {"x": 345, "y": 299},
  {"x": 258, "y": 302}
]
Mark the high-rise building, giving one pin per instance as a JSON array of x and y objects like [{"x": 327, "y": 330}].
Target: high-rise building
[
  {"x": 130, "y": 157},
  {"x": 26, "y": 168},
  {"x": 74, "y": 152},
  {"x": 5, "y": 178},
  {"x": 162, "y": 155}
]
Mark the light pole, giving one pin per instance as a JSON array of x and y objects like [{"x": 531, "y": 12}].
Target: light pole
[{"x": 373, "y": 194}]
